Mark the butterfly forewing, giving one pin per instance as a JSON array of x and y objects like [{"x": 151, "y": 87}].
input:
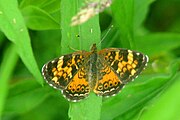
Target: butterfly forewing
[
  {"x": 59, "y": 72},
  {"x": 125, "y": 63}
]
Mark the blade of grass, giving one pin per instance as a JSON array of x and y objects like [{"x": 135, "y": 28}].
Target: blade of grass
[
  {"x": 12, "y": 25},
  {"x": 129, "y": 15},
  {"x": 122, "y": 11},
  {"x": 167, "y": 106},
  {"x": 165, "y": 42},
  {"x": 137, "y": 94},
  {"x": 49, "y": 6},
  {"x": 2, "y": 38},
  {"x": 111, "y": 40},
  {"x": 88, "y": 33},
  {"x": 7, "y": 66},
  {"x": 141, "y": 8},
  {"x": 37, "y": 19},
  {"x": 25, "y": 96}
]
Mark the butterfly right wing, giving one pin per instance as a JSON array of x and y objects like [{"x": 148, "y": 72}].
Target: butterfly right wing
[
  {"x": 126, "y": 64},
  {"x": 117, "y": 67}
]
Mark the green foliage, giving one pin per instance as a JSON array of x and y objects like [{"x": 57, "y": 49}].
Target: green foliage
[
  {"x": 12, "y": 25},
  {"x": 6, "y": 70},
  {"x": 39, "y": 30},
  {"x": 81, "y": 110}
]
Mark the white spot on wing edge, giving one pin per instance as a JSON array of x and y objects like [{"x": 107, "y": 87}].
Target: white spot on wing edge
[
  {"x": 72, "y": 100},
  {"x": 138, "y": 54},
  {"x": 61, "y": 58},
  {"x": 117, "y": 92},
  {"x": 147, "y": 58},
  {"x": 53, "y": 61},
  {"x": 43, "y": 69},
  {"x": 136, "y": 77}
]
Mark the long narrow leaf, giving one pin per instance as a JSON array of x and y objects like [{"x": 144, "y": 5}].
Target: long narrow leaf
[
  {"x": 81, "y": 38},
  {"x": 7, "y": 66},
  {"x": 13, "y": 26}
]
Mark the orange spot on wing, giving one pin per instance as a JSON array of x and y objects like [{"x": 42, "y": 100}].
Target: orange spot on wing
[
  {"x": 108, "y": 83},
  {"x": 78, "y": 84}
]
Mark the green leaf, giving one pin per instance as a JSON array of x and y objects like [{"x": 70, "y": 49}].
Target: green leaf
[
  {"x": 110, "y": 37},
  {"x": 25, "y": 96},
  {"x": 81, "y": 38},
  {"x": 88, "y": 109},
  {"x": 124, "y": 20},
  {"x": 141, "y": 8},
  {"x": 38, "y": 19},
  {"x": 167, "y": 106},
  {"x": 49, "y": 6},
  {"x": 6, "y": 69},
  {"x": 164, "y": 41},
  {"x": 1, "y": 38},
  {"x": 42, "y": 40},
  {"x": 129, "y": 16},
  {"x": 53, "y": 107},
  {"x": 38, "y": 3},
  {"x": 12, "y": 25},
  {"x": 52, "y": 6},
  {"x": 128, "y": 104}
]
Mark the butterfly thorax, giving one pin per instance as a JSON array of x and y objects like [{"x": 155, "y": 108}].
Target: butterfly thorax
[
  {"x": 92, "y": 66},
  {"x": 92, "y": 77}
]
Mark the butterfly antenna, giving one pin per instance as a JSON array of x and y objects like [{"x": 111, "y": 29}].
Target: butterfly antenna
[
  {"x": 74, "y": 49},
  {"x": 105, "y": 35}
]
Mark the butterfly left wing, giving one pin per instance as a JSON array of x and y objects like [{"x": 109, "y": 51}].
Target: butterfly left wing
[
  {"x": 59, "y": 72},
  {"x": 69, "y": 74},
  {"x": 117, "y": 67}
]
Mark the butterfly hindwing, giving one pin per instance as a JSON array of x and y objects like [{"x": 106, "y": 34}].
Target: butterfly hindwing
[
  {"x": 78, "y": 88},
  {"x": 108, "y": 83}
]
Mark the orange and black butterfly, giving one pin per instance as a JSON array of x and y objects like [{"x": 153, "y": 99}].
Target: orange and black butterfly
[{"x": 104, "y": 72}]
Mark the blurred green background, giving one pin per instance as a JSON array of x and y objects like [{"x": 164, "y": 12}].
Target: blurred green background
[{"x": 33, "y": 32}]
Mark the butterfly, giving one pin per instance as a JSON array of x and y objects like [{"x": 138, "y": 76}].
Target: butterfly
[{"x": 104, "y": 72}]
